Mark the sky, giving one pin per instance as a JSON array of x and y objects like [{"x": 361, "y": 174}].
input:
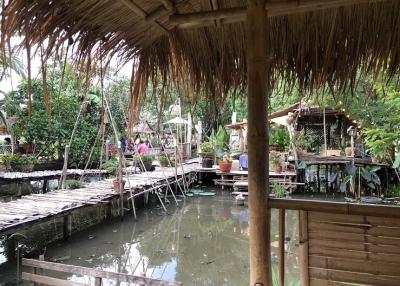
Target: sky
[{"x": 10, "y": 83}]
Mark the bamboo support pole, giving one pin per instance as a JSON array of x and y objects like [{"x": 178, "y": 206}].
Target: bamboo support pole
[
  {"x": 259, "y": 214},
  {"x": 281, "y": 247},
  {"x": 121, "y": 185},
  {"x": 64, "y": 170}
]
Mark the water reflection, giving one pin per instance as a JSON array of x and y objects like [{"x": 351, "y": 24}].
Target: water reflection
[{"x": 202, "y": 242}]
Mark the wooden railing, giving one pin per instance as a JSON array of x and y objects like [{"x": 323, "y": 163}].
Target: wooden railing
[
  {"x": 38, "y": 267},
  {"x": 343, "y": 243}
]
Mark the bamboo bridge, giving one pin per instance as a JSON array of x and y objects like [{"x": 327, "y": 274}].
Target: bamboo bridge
[{"x": 33, "y": 209}]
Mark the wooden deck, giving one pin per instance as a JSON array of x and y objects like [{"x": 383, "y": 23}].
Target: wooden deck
[{"x": 35, "y": 208}]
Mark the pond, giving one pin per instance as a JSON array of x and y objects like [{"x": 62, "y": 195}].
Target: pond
[{"x": 204, "y": 241}]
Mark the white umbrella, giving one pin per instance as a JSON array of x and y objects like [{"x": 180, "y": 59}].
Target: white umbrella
[{"x": 176, "y": 121}]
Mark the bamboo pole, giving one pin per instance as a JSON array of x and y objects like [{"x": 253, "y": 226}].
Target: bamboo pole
[{"x": 259, "y": 214}]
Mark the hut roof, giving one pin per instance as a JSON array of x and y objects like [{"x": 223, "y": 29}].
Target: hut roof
[
  {"x": 142, "y": 127},
  {"x": 311, "y": 42}
]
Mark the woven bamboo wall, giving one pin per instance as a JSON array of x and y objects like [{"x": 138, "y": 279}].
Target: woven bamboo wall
[{"x": 353, "y": 250}]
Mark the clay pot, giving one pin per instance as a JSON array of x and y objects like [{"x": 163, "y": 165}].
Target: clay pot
[
  {"x": 357, "y": 152},
  {"x": 276, "y": 169},
  {"x": 225, "y": 167},
  {"x": 27, "y": 168},
  {"x": 273, "y": 148},
  {"x": 163, "y": 164},
  {"x": 117, "y": 186}
]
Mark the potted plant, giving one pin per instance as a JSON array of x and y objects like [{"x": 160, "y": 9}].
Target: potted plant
[
  {"x": 22, "y": 163},
  {"x": 163, "y": 159},
  {"x": 226, "y": 164},
  {"x": 111, "y": 166},
  {"x": 278, "y": 190},
  {"x": 147, "y": 162},
  {"x": 278, "y": 139},
  {"x": 207, "y": 154},
  {"x": 275, "y": 162},
  {"x": 302, "y": 142},
  {"x": 5, "y": 162}
]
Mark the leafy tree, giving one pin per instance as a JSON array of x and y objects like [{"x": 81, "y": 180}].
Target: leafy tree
[{"x": 51, "y": 134}]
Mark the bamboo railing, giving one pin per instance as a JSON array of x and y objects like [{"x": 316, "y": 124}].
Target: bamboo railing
[
  {"x": 343, "y": 243},
  {"x": 38, "y": 266}
]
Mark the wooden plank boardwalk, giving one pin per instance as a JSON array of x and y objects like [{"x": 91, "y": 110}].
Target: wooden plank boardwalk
[
  {"x": 35, "y": 208},
  {"x": 40, "y": 175}
]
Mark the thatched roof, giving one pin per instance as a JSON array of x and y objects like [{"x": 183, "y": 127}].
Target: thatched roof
[
  {"x": 142, "y": 127},
  {"x": 312, "y": 42}
]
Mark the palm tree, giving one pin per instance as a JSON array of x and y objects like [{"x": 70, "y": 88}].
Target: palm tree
[{"x": 10, "y": 61}]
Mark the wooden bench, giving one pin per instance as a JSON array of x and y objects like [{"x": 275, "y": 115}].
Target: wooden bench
[{"x": 38, "y": 267}]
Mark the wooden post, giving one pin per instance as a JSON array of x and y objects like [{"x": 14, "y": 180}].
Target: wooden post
[
  {"x": 67, "y": 230},
  {"x": 257, "y": 80},
  {"x": 303, "y": 251},
  {"x": 281, "y": 247},
  {"x": 44, "y": 187}
]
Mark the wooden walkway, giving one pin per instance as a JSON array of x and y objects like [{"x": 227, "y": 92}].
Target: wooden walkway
[{"x": 35, "y": 208}]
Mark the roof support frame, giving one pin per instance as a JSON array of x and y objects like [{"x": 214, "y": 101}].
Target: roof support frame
[
  {"x": 238, "y": 14},
  {"x": 149, "y": 18}
]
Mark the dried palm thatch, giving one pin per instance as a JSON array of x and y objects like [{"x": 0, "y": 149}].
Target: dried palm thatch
[{"x": 311, "y": 43}]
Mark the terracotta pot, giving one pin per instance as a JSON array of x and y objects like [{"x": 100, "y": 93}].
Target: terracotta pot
[
  {"x": 225, "y": 167},
  {"x": 27, "y": 168},
  {"x": 117, "y": 186},
  {"x": 375, "y": 160},
  {"x": 273, "y": 148},
  {"x": 276, "y": 169},
  {"x": 163, "y": 164},
  {"x": 347, "y": 151}
]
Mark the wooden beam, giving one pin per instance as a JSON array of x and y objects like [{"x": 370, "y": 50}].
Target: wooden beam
[
  {"x": 142, "y": 14},
  {"x": 335, "y": 207},
  {"x": 157, "y": 13},
  {"x": 238, "y": 14},
  {"x": 257, "y": 78},
  {"x": 169, "y": 4}
]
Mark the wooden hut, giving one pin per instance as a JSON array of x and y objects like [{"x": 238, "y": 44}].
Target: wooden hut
[{"x": 220, "y": 45}]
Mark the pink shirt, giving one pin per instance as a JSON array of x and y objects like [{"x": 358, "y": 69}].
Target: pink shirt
[{"x": 143, "y": 148}]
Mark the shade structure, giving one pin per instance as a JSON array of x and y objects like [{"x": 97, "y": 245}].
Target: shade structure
[
  {"x": 313, "y": 42},
  {"x": 176, "y": 121},
  {"x": 142, "y": 127}
]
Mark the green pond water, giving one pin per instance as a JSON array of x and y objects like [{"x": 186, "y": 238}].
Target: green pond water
[{"x": 203, "y": 241}]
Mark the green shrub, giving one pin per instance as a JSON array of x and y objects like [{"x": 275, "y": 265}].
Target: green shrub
[
  {"x": 207, "y": 147},
  {"x": 111, "y": 166},
  {"x": 73, "y": 184},
  {"x": 279, "y": 190},
  {"x": 163, "y": 159}
]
